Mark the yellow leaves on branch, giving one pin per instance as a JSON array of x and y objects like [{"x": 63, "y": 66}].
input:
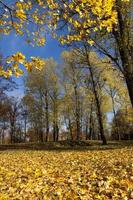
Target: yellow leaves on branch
[
  {"x": 36, "y": 62},
  {"x": 20, "y": 14},
  {"x": 85, "y": 16},
  {"x": 18, "y": 57},
  {"x": 24, "y": 5},
  {"x": 14, "y": 62},
  {"x": 67, "y": 175},
  {"x": 19, "y": 17}
]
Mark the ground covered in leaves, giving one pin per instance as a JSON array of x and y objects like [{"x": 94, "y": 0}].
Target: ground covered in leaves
[{"x": 71, "y": 175}]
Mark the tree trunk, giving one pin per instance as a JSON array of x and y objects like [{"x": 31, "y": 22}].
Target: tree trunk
[
  {"x": 86, "y": 128},
  {"x": 2, "y": 136},
  {"x": 99, "y": 113},
  {"x": 41, "y": 135},
  {"x": 47, "y": 116},
  {"x": 98, "y": 107},
  {"x": 129, "y": 81},
  {"x": 57, "y": 132},
  {"x": 124, "y": 43},
  {"x": 55, "y": 122},
  {"x": 12, "y": 133},
  {"x": 25, "y": 128},
  {"x": 115, "y": 120},
  {"x": 70, "y": 128},
  {"x": 77, "y": 113},
  {"x": 54, "y": 132},
  {"x": 90, "y": 129},
  {"x": 41, "y": 118},
  {"x": 101, "y": 124}
]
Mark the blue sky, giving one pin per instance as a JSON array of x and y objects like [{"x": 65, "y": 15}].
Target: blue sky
[{"x": 11, "y": 44}]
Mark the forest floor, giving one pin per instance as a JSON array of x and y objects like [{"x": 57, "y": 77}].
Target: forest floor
[
  {"x": 68, "y": 170},
  {"x": 68, "y": 145},
  {"x": 68, "y": 175}
]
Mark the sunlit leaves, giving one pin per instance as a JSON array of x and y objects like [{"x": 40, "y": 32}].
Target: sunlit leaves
[
  {"x": 24, "y": 19},
  {"x": 83, "y": 16},
  {"x": 18, "y": 59}
]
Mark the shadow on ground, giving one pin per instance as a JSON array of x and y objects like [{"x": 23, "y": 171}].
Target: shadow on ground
[{"x": 68, "y": 145}]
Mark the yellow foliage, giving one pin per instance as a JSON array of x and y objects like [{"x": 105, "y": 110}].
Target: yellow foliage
[
  {"x": 17, "y": 59},
  {"x": 20, "y": 14},
  {"x": 83, "y": 15}
]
